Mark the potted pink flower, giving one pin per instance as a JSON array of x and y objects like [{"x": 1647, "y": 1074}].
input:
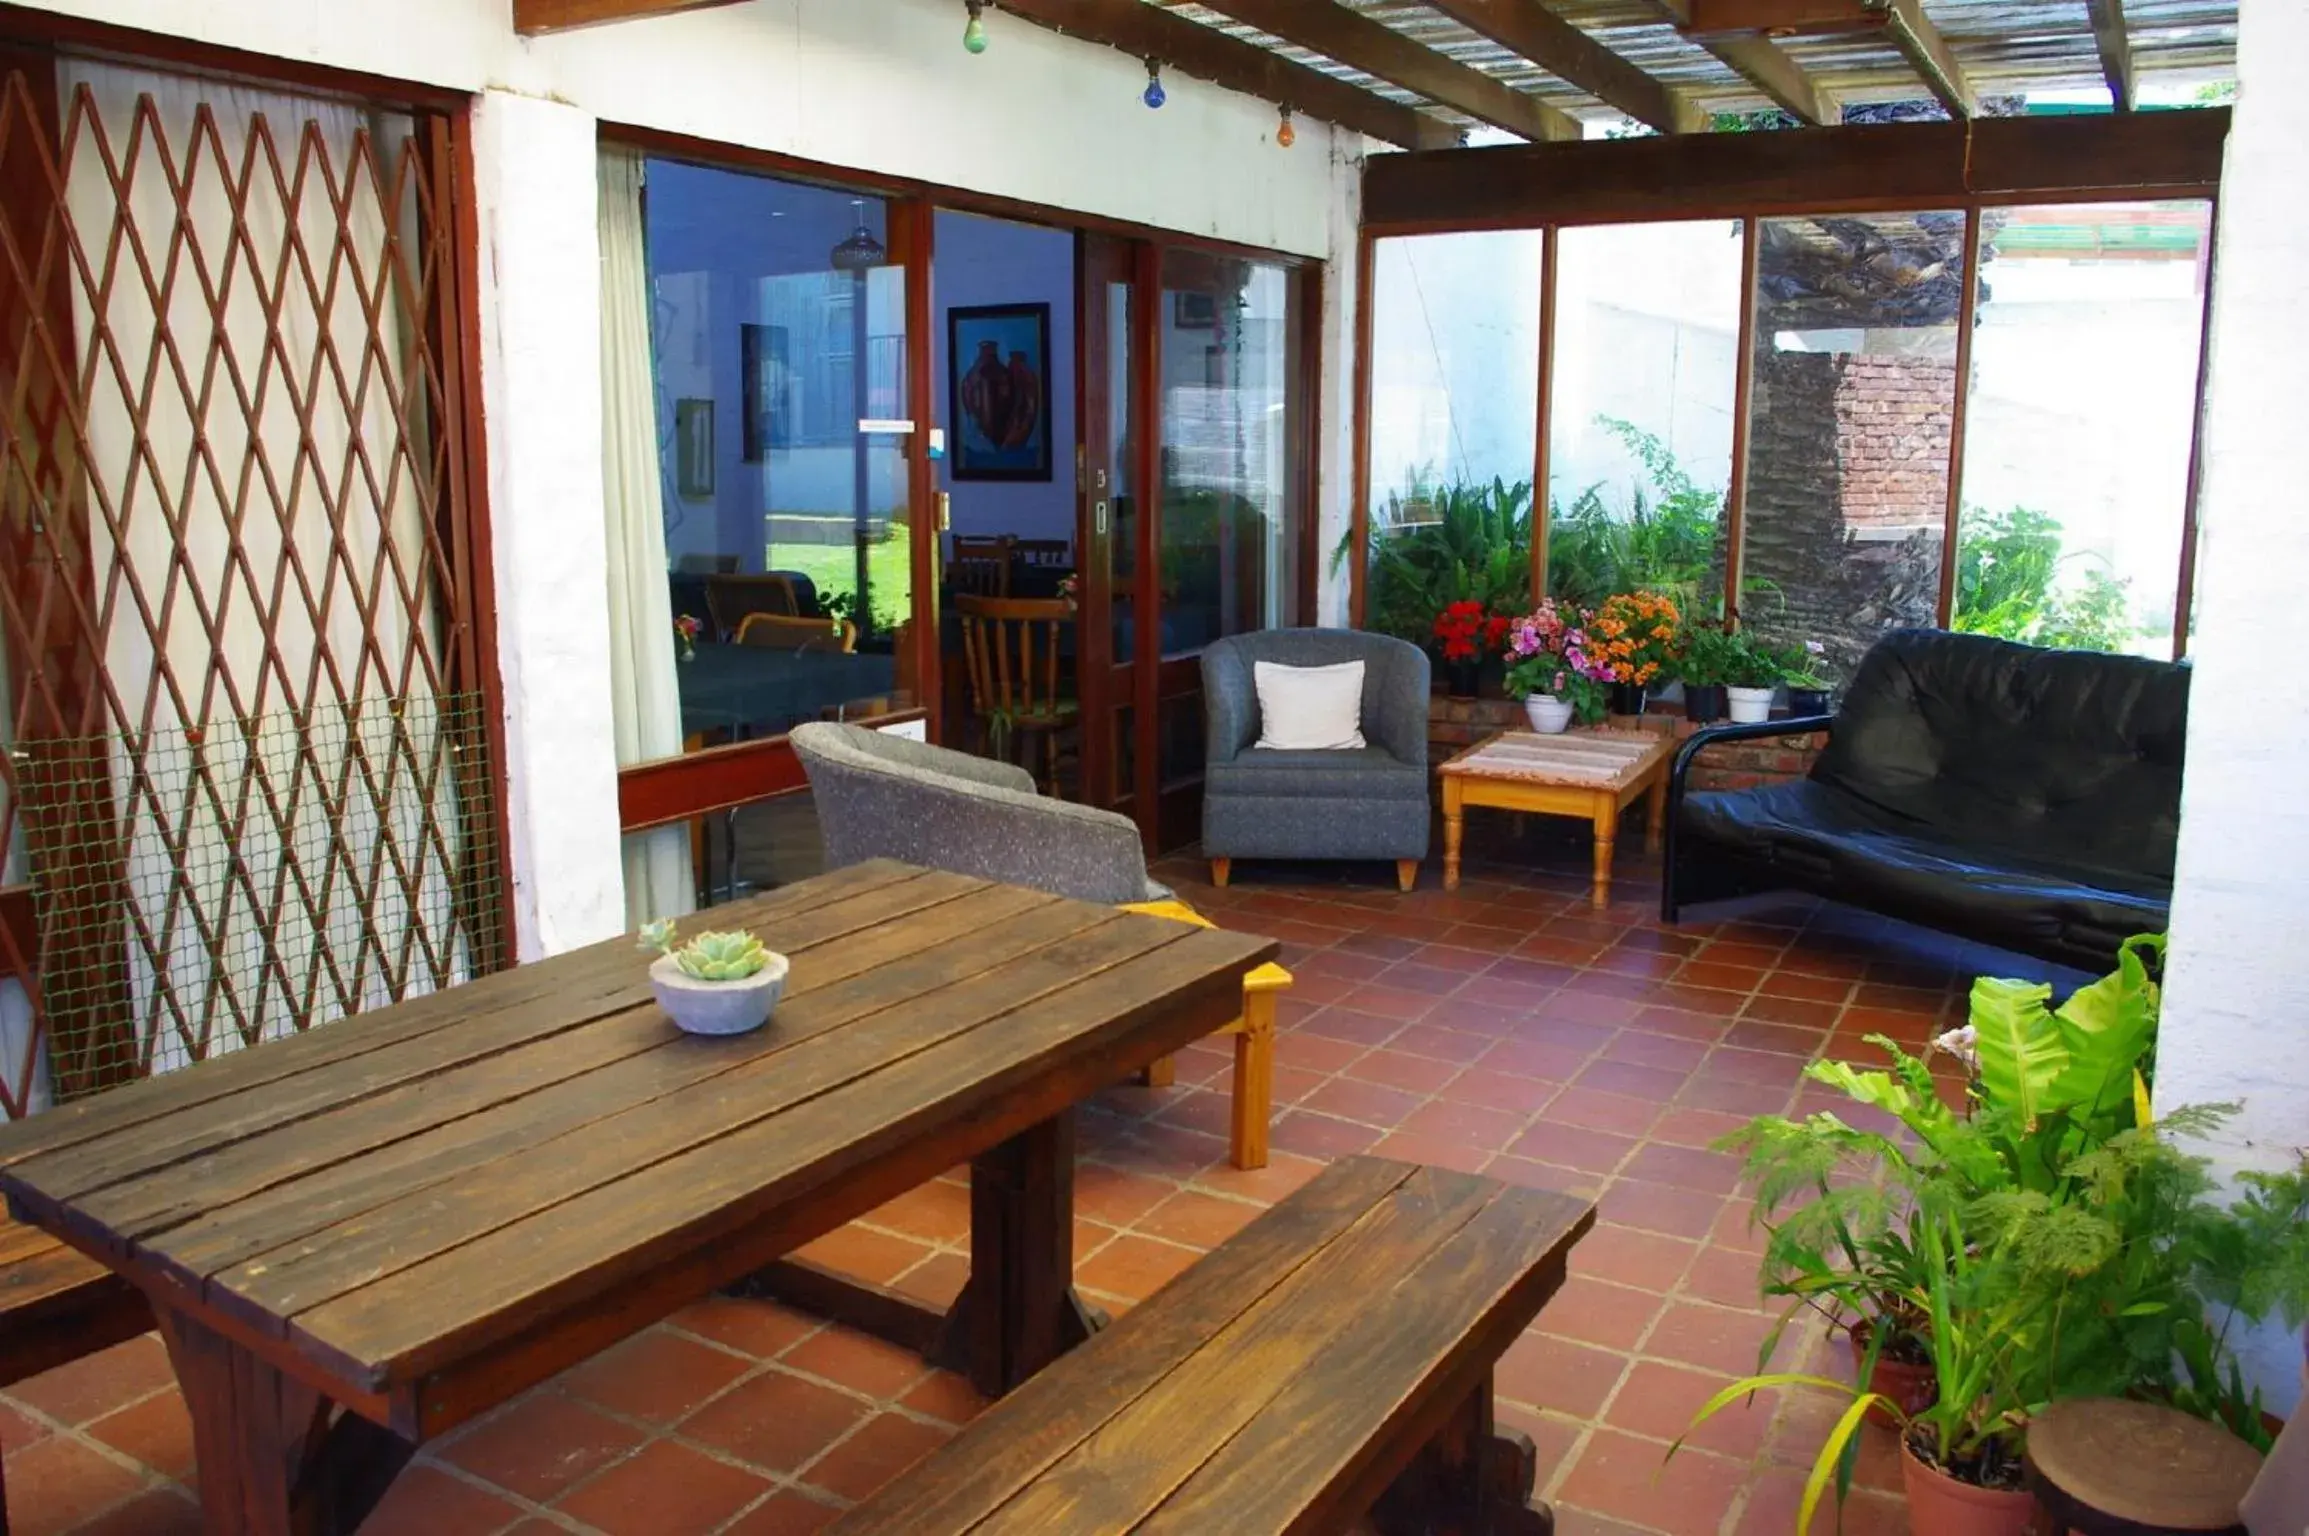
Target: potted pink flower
[{"x": 1550, "y": 667}]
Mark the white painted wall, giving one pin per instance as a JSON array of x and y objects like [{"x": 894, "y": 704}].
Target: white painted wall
[
  {"x": 2236, "y": 1019},
  {"x": 880, "y": 85},
  {"x": 541, "y": 396}
]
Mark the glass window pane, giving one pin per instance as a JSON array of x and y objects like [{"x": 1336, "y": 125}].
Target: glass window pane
[
  {"x": 779, "y": 342},
  {"x": 1453, "y": 423},
  {"x": 2076, "y": 440},
  {"x": 1230, "y": 461},
  {"x": 1647, "y": 337},
  {"x": 1852, "y": 406}
]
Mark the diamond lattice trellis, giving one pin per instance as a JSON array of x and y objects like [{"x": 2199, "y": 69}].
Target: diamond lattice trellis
[{"x": 247, "y": 785}]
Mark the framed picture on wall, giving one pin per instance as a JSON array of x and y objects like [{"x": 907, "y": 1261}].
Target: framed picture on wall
[
  {"x": 693, "y": 449},
  {"x": 997, "y": 391},
  {"x": 765, "y": 373},
  {"x": 1194, "y": 311}
]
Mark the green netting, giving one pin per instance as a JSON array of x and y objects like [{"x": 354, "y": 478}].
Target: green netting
[{"x": 200, "y": 890}]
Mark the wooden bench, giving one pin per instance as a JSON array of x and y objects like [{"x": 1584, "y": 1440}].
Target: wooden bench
[
  {"x": 56, "y": 1305},
  {"x": 1330, "y": 1362}
]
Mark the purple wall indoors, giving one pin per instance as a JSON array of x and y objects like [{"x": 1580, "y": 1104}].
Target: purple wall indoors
[{"x": 991, "y": 261}]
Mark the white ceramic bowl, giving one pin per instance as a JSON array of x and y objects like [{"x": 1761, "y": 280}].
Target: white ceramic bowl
[{"x": 717, "y": 1007}]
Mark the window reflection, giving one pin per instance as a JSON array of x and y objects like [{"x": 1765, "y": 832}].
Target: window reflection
[
  {"x": 1230, "y": 460},
  {"x": 2076, "y": 443},
  {"x": 778, "y": 342},
  {"x": 1849, "y": 427}
]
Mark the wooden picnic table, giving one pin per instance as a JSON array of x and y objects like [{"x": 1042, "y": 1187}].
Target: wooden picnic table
[{"x": 360, "y": 1237}]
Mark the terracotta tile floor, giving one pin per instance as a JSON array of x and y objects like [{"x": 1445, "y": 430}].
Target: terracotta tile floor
[{"x": 1506, "y": 1029}]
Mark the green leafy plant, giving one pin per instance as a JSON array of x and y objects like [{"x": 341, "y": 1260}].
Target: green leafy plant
[
  {"x": 1748, "y": 663},
  {"x": 1665, "y": 539},
  {"x": 2007, "y": 565},
  {"x": 709, "y": 956},
  {"x": 1432, "y": 546},
  {"x": 1707, "y": 658}
]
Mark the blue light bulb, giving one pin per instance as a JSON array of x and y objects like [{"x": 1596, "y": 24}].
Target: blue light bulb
[{"x": 1154, "y": 96}]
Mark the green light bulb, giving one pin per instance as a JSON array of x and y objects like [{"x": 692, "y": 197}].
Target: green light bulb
[{"x": 974, "y": 34}]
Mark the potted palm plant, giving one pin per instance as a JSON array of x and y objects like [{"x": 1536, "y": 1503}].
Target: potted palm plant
[{"x": 1960, "y": 1462}]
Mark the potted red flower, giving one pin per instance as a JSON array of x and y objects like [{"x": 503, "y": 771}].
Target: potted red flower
[{"x": 1468, "y": 634}]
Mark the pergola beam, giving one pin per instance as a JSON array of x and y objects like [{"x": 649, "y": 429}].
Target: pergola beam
[
  {"x": 1763, "y": 65},
  {"x": 532, "y": 17},
  {"x": 2108, "y": 18},
  {"x": 1358, "y": 42},
  {"x": 1928, "y": 53},
  {"x": 1528, "y": 28},
  {"x": 1150, "y": 32}
]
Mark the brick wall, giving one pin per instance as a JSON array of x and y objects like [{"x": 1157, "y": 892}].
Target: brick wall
[
  {"x": 1893, "y": 416},
  {"x": 1453, "y": 725}
]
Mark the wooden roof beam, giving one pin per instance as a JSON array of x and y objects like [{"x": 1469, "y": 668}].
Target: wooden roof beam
[
  {"x": 1150, "y": 32},
  {"x": 1358, "y": 42},
  {"x": 1763, "y": 65},
  {"x": 1528, "y": 28},
  {"x": 2108, "y": 17},
  {"x": 1928, "y": 53}
]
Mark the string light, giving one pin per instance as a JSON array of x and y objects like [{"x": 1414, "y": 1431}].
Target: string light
[
  {"x": 1154, "y": 96},
  {"x": 974, "y": 30},
  {"x": 1286, "y": 135}
]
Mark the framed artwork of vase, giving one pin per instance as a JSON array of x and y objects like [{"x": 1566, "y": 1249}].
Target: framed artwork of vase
[{"x": 997, "y": 391}]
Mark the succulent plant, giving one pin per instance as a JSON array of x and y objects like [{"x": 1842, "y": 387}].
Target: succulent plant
[{"x": 709, "y": 956}]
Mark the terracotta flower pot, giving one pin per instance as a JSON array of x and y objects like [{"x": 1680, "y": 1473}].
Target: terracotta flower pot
[
  {"x": 1939, "y": 1505},
  {"x": 1912, "y": 1386}
]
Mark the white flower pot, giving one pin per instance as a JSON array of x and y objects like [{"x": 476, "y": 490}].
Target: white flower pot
[
  {"x": 1750, "y": 706},
  {"x": 1548, "y": 714},
  {"x": 717, "y": 1007}
]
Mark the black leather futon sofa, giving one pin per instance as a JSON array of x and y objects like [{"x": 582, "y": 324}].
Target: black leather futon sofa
[{"x": 2023, "y": 797}]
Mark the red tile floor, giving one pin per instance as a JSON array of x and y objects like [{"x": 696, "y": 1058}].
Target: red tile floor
[{"x": 1506, "y": 1028}]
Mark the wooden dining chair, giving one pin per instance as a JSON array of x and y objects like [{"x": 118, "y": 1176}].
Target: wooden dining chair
[
  {"x": 1010, "y": 654},
  {"x": 981, "y": 565},
  {"x": 731, "y": 600},
  {"x": 778, "y": 632}
]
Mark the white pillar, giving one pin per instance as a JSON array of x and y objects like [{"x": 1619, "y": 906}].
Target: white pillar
[
  {"x": 2236, "y": 1018},
  {"x": 541, "y": 399},
  {"x": 1335, "y": 448}
]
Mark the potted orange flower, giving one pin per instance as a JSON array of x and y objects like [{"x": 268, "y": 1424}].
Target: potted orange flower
[{"x": 1637, "y": 636}]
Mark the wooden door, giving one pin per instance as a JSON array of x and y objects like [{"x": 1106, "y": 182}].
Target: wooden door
[{"x": 1106, "y": 519}]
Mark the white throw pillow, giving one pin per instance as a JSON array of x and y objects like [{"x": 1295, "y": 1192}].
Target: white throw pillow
[{"x": 1309, "y": 709}]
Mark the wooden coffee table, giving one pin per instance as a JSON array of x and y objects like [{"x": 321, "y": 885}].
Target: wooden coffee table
[{"x": 1592, "y": 774}]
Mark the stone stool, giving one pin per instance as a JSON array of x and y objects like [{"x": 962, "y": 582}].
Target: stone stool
[{"x": 2108, "y": 1467}]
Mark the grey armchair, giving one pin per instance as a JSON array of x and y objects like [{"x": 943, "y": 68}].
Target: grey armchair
[
  {"x": 885, "y": 797},
  {"x": 1368, "y": 803}
]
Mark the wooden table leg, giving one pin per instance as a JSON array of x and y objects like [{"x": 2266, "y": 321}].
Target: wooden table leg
[
  {"x": 1454, "y": 820},
  {"x": 276, "y": 1458},
  {"x": 1656, "y": 814},
  {"x": 1019, "y": 1311},
  {"x": 1607, "y": 826}
]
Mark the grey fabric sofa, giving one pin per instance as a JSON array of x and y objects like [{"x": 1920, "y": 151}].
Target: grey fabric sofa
[
  {"x": 1369, "y": 803},
  {"x": 885, "y": 797}
]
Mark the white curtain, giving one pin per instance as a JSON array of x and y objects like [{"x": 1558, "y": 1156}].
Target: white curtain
[
  {"x": 240, "y": 406},
  {"x": 658, "y": 879}
]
